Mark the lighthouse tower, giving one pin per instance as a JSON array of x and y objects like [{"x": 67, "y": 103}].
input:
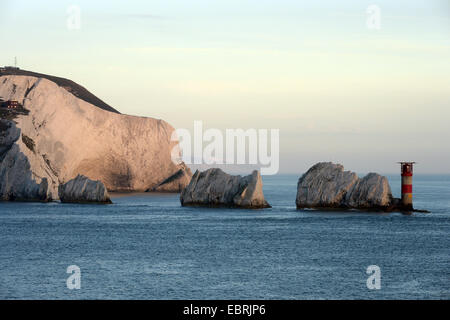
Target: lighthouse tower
[{"x": 407, "y": 177}]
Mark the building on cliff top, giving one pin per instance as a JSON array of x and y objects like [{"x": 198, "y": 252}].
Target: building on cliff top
[
  {"x": 8, "y": 68},
  {"x": 10, "y": 104}
]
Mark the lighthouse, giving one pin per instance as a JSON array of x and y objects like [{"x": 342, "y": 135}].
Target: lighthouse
[{"x": 407, "y": 177}]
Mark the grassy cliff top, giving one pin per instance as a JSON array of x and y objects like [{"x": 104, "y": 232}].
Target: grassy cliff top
[{"x": 74, "y": 88}]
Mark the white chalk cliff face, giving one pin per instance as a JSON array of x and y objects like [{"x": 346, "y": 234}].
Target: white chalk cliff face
[
  {"x": 214, "y": 187},
  {"x": 63, "y": 136},
  {"x": 327, "y": 185}
]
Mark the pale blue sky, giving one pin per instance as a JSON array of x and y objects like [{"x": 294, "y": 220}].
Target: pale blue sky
[{"x": 336, "y": 90}]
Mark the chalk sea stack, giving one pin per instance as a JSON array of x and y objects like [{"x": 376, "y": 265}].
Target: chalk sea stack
[
  {"x": 83, "y": 190},
  {"x": 327, "y": 185},
  {"x": 59, "y": 130},
  {"x": 214, "y": 187}
]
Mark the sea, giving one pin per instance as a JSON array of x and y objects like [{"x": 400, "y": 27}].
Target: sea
[{"x": 146, "y": 246}]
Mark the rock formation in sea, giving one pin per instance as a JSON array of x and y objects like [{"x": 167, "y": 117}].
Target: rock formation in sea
[
  {"x": 57, "y": 133},
  {"x": 214, "y": 187},
  {"x": 83, "y": 190},
  {"x": 327, "y": 185}
]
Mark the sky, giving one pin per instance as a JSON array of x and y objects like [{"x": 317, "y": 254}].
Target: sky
[{"x": 337, "y": 90}]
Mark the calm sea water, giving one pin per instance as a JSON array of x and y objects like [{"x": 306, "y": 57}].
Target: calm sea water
[{"x": 146, "y": 246}]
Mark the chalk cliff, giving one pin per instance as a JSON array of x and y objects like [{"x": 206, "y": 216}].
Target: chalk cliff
[
  {"x": 214, "y": 187},
  {"x": 83, "y": 190},
  {"x": 327, "y": 185},
  {"x": 176, "y": 182},
  {"x": 55, "y": 135}
]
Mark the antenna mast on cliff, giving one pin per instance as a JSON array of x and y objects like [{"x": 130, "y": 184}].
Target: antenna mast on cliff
[{"x": 15, "y": 62}]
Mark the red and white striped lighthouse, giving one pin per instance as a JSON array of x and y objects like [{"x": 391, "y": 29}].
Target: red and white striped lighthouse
[{"x": 407, "y": 178}]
